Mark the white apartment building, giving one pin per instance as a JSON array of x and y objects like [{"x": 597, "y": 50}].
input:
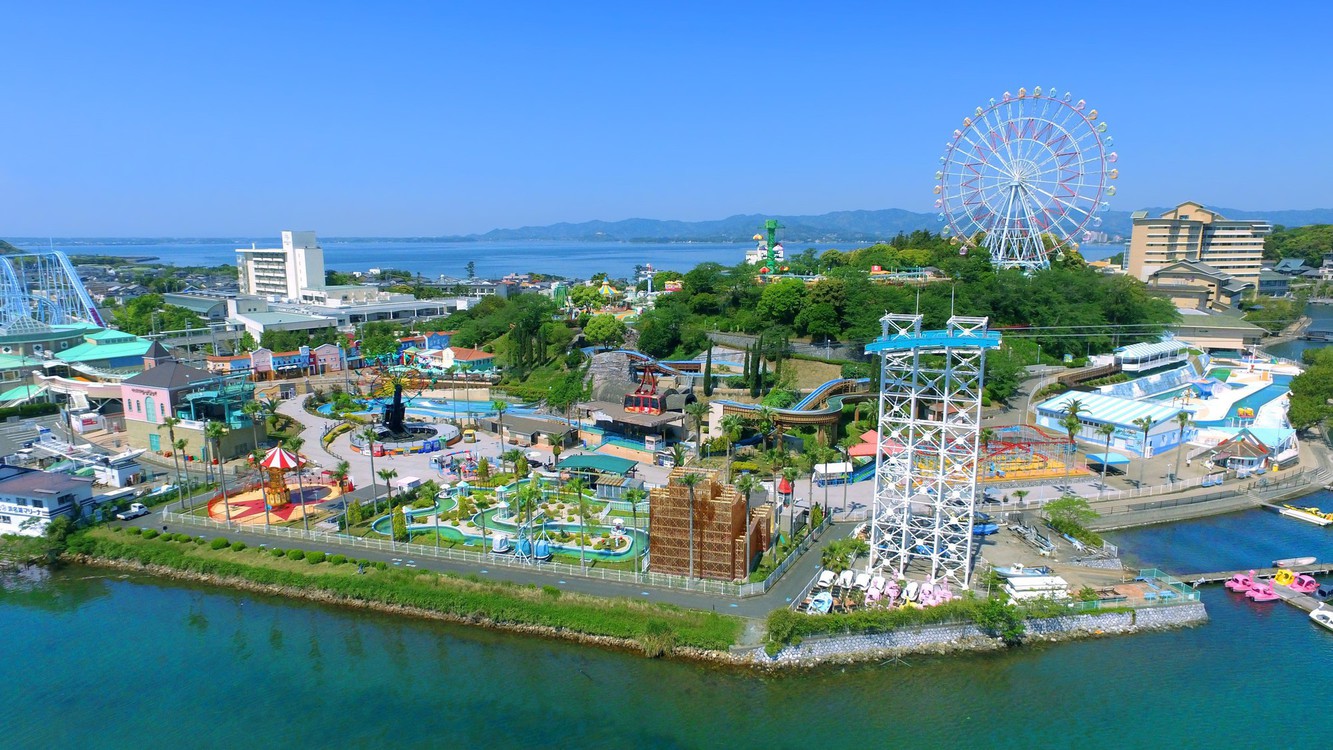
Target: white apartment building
[
  {"x": 282, "y": 272},
  {"x": 30, "y": 498},
  {"x": 1191, "y": 232}
]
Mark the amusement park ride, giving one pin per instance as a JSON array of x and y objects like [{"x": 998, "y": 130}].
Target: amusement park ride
[
  {"x": 42, "y": 288},
  {"x": 769, "y": 251},
  {"x": 1026, "y": 175}
]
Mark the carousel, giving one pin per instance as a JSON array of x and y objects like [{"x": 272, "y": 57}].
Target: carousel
[{"x": 281, "y": 495}]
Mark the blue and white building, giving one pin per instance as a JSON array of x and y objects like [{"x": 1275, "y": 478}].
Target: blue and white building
[{"x": 1097, "y": 410}]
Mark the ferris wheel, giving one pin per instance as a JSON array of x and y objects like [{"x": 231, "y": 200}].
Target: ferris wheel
[{"x": 1023, "y": 172}]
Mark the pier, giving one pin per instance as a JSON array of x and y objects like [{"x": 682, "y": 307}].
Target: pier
[{"x": 1301, "y": 601}]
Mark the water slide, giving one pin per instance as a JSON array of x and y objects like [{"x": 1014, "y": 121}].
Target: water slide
[{"x": 821, "y": 406}]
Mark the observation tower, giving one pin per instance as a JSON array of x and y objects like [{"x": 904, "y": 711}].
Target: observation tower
[{"x": 931, "y": 383}]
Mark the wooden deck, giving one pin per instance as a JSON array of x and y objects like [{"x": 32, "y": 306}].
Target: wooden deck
[{"x": 1301, "y": 601}]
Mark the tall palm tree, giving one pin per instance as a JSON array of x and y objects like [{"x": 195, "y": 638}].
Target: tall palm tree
[
  {"x": 270, "y": 408},
  {"x": 986, "y": 435},
  {"x": 252, "y": 410},
  {"x": 388, "y": 475},
  {"x": 765, "y": 418},
  {"x": 1106, "y": 431},
  {"x": 214, "y": 432},
  {"x": 340, "y": 473},
  {"x": 294, "y": 445},
  {"x": 634, "y": 497},
  {"x": 170, "y": 423},
  {"x": 690, "y": 480},
  {"x": 500, "y": 408},
  {"x": 1072, "y": 425},
  {"x": 745, "y": 485},
  {"x": 1145, "y": 424},
  {"x": 180, "y": 445},
  {"x": 584, "y": 507},
  {"x": 698, "y": 410},
  {"x": 1183, "y": 420},
  {"x": 678, "y": 456},
  {"x": 370, "y": 436},
  {"x": 731, "y": 427}
]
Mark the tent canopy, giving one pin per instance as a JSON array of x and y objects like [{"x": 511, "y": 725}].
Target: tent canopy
[{"x": 1108, "y": 459}]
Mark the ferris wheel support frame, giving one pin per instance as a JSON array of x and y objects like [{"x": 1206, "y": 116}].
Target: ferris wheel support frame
[{"x": 929, "y": 427}]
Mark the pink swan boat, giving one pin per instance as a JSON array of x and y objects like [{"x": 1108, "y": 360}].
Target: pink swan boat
[
  {"x": 1263, "y": 593},
  {"x": 1241, "y": 583},
  {"x": 1304, "y": 584}
]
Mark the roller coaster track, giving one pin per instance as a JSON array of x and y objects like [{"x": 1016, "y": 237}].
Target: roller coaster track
[{"x": 823, "y": 405}]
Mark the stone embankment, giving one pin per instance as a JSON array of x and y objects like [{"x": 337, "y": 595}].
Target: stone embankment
[{"x": 957, "y": 637}]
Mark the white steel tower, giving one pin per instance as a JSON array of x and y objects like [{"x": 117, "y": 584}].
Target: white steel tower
[{"x": 926, "y": 466}]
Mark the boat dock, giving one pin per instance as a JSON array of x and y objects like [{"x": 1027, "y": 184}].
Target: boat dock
[
  {"x": 1301, "y": 601},
  {"x": 1299, "y": 514},
  {"x": 1314, "y": 569}
]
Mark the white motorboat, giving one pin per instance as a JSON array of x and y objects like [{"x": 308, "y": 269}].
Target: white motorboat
[
  {"x": 1291, "y": 562},
  {"x": 825, "y": 579},
  {"x": 1301, "y": 514},
  {"x": 862, "y": 581},
  {"x": 845, "y": 579},
  {"x": 1323, "y": 617},
  {"x": 910, "y": 593}
]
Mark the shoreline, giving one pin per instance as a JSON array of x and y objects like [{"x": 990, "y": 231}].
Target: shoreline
[{"x": 815, "y": 653}]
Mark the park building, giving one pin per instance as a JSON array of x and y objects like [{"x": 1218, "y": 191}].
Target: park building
[
  {"x": 704, "y": 529},
  {"x": 1190, "y": 232},
  {"x": 281, "y": 273},
  {"x": 1138, "y": 358},
  {"x": 30, "y": 498},
  {"x": 1121, "y": 413}
]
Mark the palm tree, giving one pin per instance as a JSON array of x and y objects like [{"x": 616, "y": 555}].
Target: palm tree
[
  {"x": 1106, "y": 431},
  {"x": 765, "y": 418},
  {"x": 634, "y": 497},
  {"x": 388, "y": 475},
  {"x": 294, "y": 445},
  {"x": 1020, "y": 494},
  {"x": 179, "y": 445},
  {"x": 1072, "y": 425},
  {"x": 1183, "y": 420},
  {"x": 698, "y": 410},
  {"x": 745, "y": 485},
  {"x": 1145, "y": 424},
  {"x": 252, "y": 409},
  {"x": 690, "y": 480},
  {"x": 500, "y": 407},
  {"x": 340, "y": 473},
  {"x": 731, "y": 427},
  {"x": 677, "y": 455},
  {"x": 214, "y": 432},
  {"x": 370, "y": 436},
  {"x": 584, "y": 507},
  {"x": 986, "y": 435},
  {"x": 270, "y": 408},
  {"x": 170, "y": 423}
]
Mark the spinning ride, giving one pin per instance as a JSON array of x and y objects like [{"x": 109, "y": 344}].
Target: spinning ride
[{"x": 1026, "y": 175}]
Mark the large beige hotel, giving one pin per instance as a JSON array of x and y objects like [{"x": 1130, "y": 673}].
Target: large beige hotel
[{"x": 1192, "y": 232}]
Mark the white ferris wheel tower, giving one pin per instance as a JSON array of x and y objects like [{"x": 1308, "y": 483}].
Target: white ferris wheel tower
[{"x": 1026, "y": 176}]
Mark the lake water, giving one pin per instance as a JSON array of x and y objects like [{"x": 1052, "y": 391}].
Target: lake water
[
  {"x": 493, "y": 259},
  {"x": 100, "y": 660},
  {"x": 1294, "y": 349}
]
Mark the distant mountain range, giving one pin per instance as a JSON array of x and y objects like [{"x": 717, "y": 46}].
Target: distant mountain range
[{"x": 838, "y": 226}]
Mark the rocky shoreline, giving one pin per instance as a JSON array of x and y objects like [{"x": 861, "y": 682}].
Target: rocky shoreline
[{"x": 810, "y": 654}]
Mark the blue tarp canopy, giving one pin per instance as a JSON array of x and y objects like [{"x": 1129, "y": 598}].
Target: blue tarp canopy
[{"x": 1108, "y": 459}]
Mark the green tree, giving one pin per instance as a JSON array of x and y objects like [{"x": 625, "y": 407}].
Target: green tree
[
  {"x": 1145, "y": 425},
  {"x": 500, "y": 408},
  {"x": 294, "y": 444},
  {"x": 252, "y": 410},
  {"x": 584, "y": 508},
  {"x": 1072, "y": 424},
  {"x": 1311, "y": 400},
  {"x": 369, "y": 436},
  {"x": 731, "y": 428},
  {"x": 388, "y": 475},
  {"x": 708, "y": 373},
  {"x": 1070, "y": 513},
  {"x": 605, "y": 330},
  {"x": 818, "y": 321},
  {"x": 247, "y": 342},
  {"x": 690, "y": 481},
  {"x": 214, "y": 432},
  {"x": 697, "y": 411},
  {"x": 170, "y": 423},
  {"x": 399, "y": 525},
  {"x": 746, "y": 486},
  {"x": 782, "y": 300}
]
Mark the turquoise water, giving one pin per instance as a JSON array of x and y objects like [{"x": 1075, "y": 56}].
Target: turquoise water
[
  {"x": 440, "y": 408},
  {"x": 114, "y": 662}
]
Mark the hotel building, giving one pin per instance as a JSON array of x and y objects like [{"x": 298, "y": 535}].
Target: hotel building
[{"x": 1191, "y": 232}]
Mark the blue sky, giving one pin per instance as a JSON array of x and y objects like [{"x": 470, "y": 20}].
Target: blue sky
[{"x": 217, "y": 119}]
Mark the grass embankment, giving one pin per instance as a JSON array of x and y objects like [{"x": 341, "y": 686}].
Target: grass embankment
[{"x": 657, "y": 629}]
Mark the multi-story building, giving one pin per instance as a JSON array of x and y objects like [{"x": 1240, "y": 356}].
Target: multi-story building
[
  {"x": 282, "y": 272},
  {"x": 1192, "y": 232},
  {"x": 30, "y": 499}
]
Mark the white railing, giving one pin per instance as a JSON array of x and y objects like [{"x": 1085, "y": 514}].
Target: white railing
[{"x": 659, "y": 580}]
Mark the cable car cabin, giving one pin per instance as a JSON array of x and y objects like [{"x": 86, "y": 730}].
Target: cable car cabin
[{"x": 645, "y": 403}]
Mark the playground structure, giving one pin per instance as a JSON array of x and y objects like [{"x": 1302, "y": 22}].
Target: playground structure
[
  {"x": 769, "y": 255},
  {"x": 1024, "y": 171},
  {"x": 821, "y": 407},
  {"x": 929, "y": 421},
  {"x": 534, "y": 528},
  {"x": 283, "y": 494},
  {"x": 701, "y": 531},
  {"x": 1027, "y": 452}
]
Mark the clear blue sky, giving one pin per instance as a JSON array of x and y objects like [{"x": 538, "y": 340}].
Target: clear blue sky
[{"x": 218, "y": 119}]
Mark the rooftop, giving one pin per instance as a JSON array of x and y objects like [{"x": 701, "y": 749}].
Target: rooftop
[
  {"x": 130, "y": 347},
  {"x": 170, "y": 375},
  {"x": 1120, "y": 412},
  {"x": 17, "y": 480},
  {"x": 279, "y": 318},
  {"x": 598, "y": 462},
  {"x": 1151, "y": 349}
]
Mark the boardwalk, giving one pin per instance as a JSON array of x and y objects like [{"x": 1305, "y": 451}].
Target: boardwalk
[{"x": 1314, "y": 569}]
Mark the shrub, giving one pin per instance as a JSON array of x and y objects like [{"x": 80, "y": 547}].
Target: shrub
[
  {"x": 238, "y": 546},
  {"x": 277, "y": 552},
  {"x": 338, "y": 559},
  {"x": 149, "y": 533},
  {"x": 295, "y": 554},
  {"x": 219, "y": 543},
  {"x": 117, "y": 529},
  {"x": 316, "y": 557},
  {"x": 381, "y": 565},
  {"x": 134, "y": 531},
  {"x": 551, "y": 591}
]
